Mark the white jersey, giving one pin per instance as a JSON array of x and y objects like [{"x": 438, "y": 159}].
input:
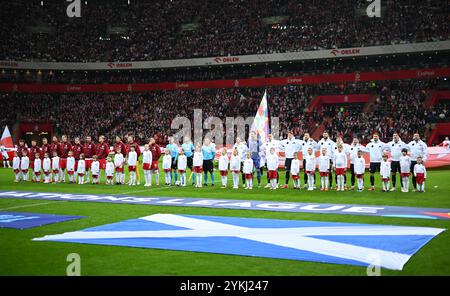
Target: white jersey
[
  {"x": 290, "y": 146},
  {"x": 417, "y": 149},
  {"x": 310, "y": 165},
  {"x": 197, "y": 160},
  {"x": 132, "y": 158},
  {"x": 353, "y": 151},
  {"x": 324, "y": 163},
  {"x": 269, "y": 145},
  {"x": 37, "y": 165},
  {"x": 359, "y": 165},
  {"x": 310, "y": 143},
  {"x": 55, "y": 163},
  {"x": 235, "y": 163},
  {"x": 46, "y": 164},
  {"x": 295, "y": 167},
  {"x": 248, "y": 166},
  {"x": 147, "y": 156},
  {"x": 446, "y": 144},
  {"x": 95, "y": 168},
  {"x": 375, "y": 150},
  {"x": 71, "y": 163},
  {"x": 24, "y": 163},
  {"x": 329, "y": 144},
  {"x": 118, "y": 160},
  {"x": 109, "y": 169},
  {"x": 4, "y": 152},
  {"x": 167, "y": 162},
  {"x": 385, "y": 169},
  {"x": 16, "y": 163},
  {"x": 223, "y": 163},
  {"x": 81, "y": 166},
  {"x": 420, "y": 169},
  {"x": 242, "y": 150},
  {"x": 182, "y": 162},
  {"x": 396, "y": 149},
  {"x": 340, "y": 160},
  {"x": 405, "y": 164},
  {"x": 272, "y": 162}
]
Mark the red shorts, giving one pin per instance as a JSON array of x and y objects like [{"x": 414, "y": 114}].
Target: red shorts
[
  {"x": 47, "y": 173},
  {"x": 198, "y": 169},
  {"x": 236, "y": 172},
  {"x": 102, "y": 163},
  {"x": 16, "y": 171},
  {"x": 360, "y": 176},
  {"x": 55, "y": 171},
  {"x": 25, "y": 171},
  {"x": 310, "y": 172},
  {"x": 248, "y": 176},
  {"x": 146, "y": 166},
  {"x": 109, "y": 177},
  {"x": 405, "y": 174},
  {"x": 37, "y": 173},
  {"x": 154, "y": 165},
  {"x": 81, "y": 175},
  {"x": 273, "y": 174},
  {"x": 294, "y": 177},
  {"x": 94, "y": 176},
  {"x": 340, "y": 171},
  {"x": 324, "y": 174},
  {"x": 420, "y": 178},
  {"x": 70, "y": 172},
  {"x": 88, "y": 163},
  {"x": 167, "y": 170},
  {"x": 131, "y": 168},
  {"x": 224, "y": 173},
  {"x": 182, "y": 171},
  {"x": 63, "y": 163},
  {"x": 385, "y": 179},
  {"x": 119, "y": 170}
]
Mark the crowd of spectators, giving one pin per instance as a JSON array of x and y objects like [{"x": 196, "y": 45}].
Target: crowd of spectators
[
  {"x": 398, "y": 106},
  {"x": 153, "y": 30}
]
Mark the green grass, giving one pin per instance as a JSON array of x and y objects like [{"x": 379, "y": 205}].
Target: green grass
[{"x": 19, "y": 255}]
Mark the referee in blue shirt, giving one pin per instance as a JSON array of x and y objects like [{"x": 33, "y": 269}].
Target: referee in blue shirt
[{"x": 209, "y": 152}]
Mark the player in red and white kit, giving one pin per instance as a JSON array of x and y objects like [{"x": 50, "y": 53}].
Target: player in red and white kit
[
  {"x": 102, "y": 150},
  {"x": 156, "y": 153},
  {"x": 132, "y": 143},
  {"x": 64, "y": 148},
  {"x": 54, "y": 146},
  {"x": 77, "y": 149},
  {"x": 45, "y": 148},
  {"x": 89, "y": 150},
  {"x": 34, "y": 150}
]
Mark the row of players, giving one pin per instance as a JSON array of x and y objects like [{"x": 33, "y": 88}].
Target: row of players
[{"x": 77, "y": 169}]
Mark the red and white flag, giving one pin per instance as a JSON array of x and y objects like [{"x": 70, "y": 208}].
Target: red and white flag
[{"x": 6, "y": 139}]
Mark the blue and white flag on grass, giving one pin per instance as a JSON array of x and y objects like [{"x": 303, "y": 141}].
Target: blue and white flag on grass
[{"x": 328, "y": 242}]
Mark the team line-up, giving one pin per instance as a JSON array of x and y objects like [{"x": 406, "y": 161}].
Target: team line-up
[{"x": 81, "y": 161}]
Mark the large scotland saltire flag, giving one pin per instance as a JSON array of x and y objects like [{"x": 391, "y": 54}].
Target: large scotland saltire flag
[
  {"x": 328, "y": 242},
  {"x": 260, "y": 124}
]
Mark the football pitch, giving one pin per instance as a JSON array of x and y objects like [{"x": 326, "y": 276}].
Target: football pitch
[{"x": 19, "y": 255}]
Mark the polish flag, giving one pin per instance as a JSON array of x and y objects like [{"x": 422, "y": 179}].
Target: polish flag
[{"x": 6, "y": 139}]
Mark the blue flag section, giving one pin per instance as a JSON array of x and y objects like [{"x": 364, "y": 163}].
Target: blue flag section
[
  {"x": 28, "y": 220},
  {"x": 327, "y": 242}
]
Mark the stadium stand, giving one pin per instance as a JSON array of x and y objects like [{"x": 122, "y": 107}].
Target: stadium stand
[{"x": 154, "y": 30}]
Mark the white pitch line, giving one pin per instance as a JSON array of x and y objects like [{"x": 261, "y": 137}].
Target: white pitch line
[{"x": 32, "y": 205}]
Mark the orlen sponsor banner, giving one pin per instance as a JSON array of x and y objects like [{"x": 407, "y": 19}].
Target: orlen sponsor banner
[
  {"x": 249, "y": 82},
  {"x": 242, "y": 59},
  {"x": 276, "y": 206}
]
